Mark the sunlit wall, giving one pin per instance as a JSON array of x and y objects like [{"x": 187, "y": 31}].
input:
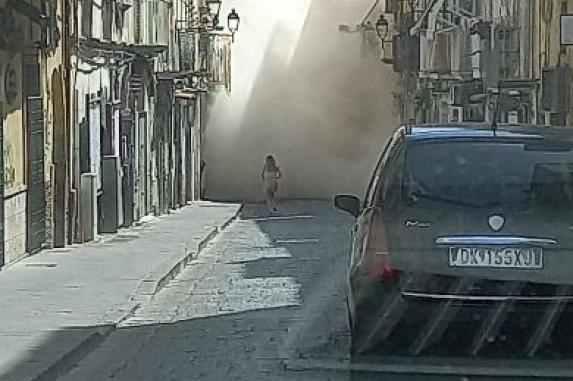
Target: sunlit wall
[{"x": 318, "y": 99}]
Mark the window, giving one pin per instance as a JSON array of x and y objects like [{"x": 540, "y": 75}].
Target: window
[
  {"x": 369, "y": 198},
  {"x": 107, "y": 15},
  {"x": 372, "y": 191},
  {"x": 389, "y": 155},
  {"x": 87, "y": 12},
  {"x": 516, "y": 176},
  {"x": 389, "y": 188}
]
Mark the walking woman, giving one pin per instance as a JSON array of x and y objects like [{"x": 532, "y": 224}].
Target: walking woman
[{"x": 271, "y": 176}]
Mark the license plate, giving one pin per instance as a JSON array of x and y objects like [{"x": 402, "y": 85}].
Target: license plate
[{"x": 515, "y": 258}]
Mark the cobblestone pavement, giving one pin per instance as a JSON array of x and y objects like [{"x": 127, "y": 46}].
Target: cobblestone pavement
[{"x": 265, "y": 292}]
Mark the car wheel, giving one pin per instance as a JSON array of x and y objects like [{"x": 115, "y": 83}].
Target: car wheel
[
  {"x": 358, "y": 332},
  {"x": 359, "y": 307},
  {"x": 367, "y": 301}
]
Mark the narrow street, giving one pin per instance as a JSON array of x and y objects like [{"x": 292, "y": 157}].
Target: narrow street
[
  {"x": 146, "y": 144},
  {"x": 266, "y": 290}
]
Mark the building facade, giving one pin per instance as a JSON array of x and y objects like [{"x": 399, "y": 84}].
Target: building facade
[
  {"x": 139, "y": 105},
  {"x": 102, "y": 109},
  {"x": 27, "y": 40},
  {"x": 467, "y": 60},
  {"x": 552, "y": 61}
]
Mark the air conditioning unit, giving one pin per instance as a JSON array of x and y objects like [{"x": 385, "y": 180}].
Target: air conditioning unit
[{"x": 456, "y": 114}]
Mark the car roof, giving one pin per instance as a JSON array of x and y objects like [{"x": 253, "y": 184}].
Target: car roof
[{"x": 484, "y": 131}]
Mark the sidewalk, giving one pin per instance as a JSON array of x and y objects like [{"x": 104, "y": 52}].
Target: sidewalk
[{"x": 93, "y": 285}]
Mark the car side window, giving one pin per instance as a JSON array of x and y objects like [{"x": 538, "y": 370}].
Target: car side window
[
  {"x": 390, "y": 183},
  {"x": 372, "y": 196},
  {"x": 369, "y": 199},
  {"x": 390, "y": 155}
]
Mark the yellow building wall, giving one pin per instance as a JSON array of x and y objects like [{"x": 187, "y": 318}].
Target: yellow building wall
[
  {"x": 14, "y": 137},
  {"x": 55, "y": 119},
  {"x": 15, "y": 196}
]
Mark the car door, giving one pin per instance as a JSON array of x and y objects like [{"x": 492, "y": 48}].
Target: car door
[
  {"x": 371, "y": 201},
  {"x": 361, "y": 226}
]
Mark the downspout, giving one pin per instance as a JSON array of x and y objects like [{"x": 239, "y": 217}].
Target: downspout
[
  {"x": 72, "y": 144},
  {"x": 199, "y": 112},
  {"x": 47, "y": 97}
]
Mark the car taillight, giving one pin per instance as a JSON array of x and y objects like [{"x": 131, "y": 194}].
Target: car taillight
[{"x": 377, "y": 254}]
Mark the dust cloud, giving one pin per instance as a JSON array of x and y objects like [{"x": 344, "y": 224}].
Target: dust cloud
[{"x": 318, "y": 99}]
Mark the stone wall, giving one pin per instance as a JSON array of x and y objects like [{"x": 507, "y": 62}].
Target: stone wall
[{"x": 15, "y": 226}]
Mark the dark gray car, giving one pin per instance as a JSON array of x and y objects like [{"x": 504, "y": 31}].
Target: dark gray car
[{"x": 462, "y": 246}]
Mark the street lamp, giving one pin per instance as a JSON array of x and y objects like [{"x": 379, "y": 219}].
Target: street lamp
[
  {"x": 386, "y": 45},
  {"x": 233, "y": 21},
  {"x": 214, "y": 9},
  {"x": 382, "y": 27}
]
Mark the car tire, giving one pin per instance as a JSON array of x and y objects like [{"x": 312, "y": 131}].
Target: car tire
[
  {"x": 367, "y": 298},
  {"x": 359, "y": 317},
  {"x": 358, "y": 332}
]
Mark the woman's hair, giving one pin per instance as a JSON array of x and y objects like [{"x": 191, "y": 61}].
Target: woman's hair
[{"x": 270, "y": 163}]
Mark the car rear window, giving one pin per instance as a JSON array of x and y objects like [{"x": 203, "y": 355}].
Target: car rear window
[{"x": 512, "y": 175}]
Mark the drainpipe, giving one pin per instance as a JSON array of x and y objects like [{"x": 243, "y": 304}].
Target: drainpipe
[
  {"x": 199, "y": 107},
  {"x": 69, "y": 208}
]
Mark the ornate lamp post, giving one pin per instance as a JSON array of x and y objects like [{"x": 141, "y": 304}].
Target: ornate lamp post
[
  {"x": 233, "y": 21},
  {"x": 382, "y": 27}
]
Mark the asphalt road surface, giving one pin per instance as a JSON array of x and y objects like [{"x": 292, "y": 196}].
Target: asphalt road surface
[{"x": 264, "y": 301}]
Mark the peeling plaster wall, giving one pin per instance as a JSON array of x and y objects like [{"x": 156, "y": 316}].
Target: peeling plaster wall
[{"x": 14, "y": 160}]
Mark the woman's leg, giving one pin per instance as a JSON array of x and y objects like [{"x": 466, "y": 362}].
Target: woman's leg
[
  {"x": 269, "y": 199},
  {"x": 273, "y": 203},
  {"x": 273, "y": 199}
]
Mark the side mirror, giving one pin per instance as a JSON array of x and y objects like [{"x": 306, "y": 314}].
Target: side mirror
[{"x": 349, "y": 204}]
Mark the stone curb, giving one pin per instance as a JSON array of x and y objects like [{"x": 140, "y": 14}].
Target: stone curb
[
  {"x": 192, "y": 253},
  {"x": 65, "y": 363},
  {"x": 146, "y": 289},
  {"x": 391, "y": 366}
]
